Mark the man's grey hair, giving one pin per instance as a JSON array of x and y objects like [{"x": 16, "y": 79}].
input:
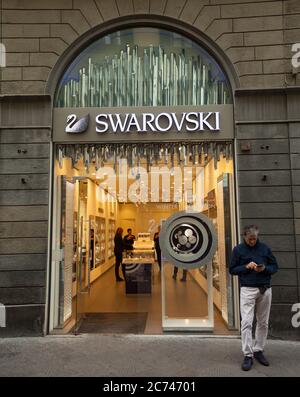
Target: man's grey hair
[{"x": 250, "y": 229}]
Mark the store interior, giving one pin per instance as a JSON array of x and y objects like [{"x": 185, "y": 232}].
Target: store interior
[{"x": 93, "y": 198}]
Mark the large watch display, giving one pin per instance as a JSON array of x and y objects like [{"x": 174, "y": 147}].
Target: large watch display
[{"x": 188, "y": 240}]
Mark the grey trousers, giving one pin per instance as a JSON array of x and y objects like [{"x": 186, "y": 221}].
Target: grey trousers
[{"x": 251, "y": 298}]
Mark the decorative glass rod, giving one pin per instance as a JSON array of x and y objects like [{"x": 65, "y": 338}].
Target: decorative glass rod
[{"x": 156, "y": 78}]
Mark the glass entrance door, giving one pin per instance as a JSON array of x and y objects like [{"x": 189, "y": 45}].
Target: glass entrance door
[
  {"x": 82, "y": 253},
  {"x": 200, "y": 295},
  {"x": 188, "y": 242},
  {"x": 70, "y": 254},
  {"x": 63, "y": 277},
  {"x": 187, "y": 305}
]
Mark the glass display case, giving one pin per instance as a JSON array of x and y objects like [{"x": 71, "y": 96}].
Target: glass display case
[
  {"x": 143, "y": 242},
  {"x": 138, "y": 269},
  {"x": 97, "y": 241},
  {"x": 216, "y": 272},
  {"x": 139, "y": 255}
]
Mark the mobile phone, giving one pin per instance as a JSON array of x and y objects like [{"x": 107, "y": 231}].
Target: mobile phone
[{"x": 259, "y": 265}]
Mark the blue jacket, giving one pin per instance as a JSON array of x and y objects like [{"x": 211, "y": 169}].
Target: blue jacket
[{"x": 261, "y": 254}]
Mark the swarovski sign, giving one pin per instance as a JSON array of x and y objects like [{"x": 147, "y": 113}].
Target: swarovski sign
[
  {"x": 171, "y": 124},
  {"x": 146, "y": 122},
  {"x": 162, "y": 122}
]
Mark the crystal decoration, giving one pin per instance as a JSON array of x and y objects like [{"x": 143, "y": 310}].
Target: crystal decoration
[
  {"x": 145, "y": 77},
  {"x": 185, "y": 153}
]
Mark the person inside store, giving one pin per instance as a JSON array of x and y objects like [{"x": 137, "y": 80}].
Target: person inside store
[
  {"x": 184, "y": 273},
  {"x": 157, "y": 246},
  {"x": 118, "y": 251},
  {"x": 129, "y": 240},
  {"x": 255, "y": 264}
]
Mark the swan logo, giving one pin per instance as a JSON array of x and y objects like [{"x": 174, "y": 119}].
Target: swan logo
[{"x": 75, "y": 126}]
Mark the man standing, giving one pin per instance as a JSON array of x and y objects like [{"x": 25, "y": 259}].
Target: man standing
[
  {"x": 129, "y": 240},
  {"x": 254, "y": 263}
]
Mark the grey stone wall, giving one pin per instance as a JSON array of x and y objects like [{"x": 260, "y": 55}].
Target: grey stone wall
[
  {"x": 267, "y": 154},
  {"x": 256, "y": 35},
  {"x": 24, "y": 184}
]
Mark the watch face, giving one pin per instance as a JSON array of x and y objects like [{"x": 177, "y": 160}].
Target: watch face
[
  {"x": 185, "y": 238},
  {"x": 188, "y": 240}
]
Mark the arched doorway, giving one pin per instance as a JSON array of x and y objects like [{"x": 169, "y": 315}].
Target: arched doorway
[{"x": 142, "y": 129}]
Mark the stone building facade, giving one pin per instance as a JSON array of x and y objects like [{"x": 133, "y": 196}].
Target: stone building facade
[{"x": 253, "y": 40}]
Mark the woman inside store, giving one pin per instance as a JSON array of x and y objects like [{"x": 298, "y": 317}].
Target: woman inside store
[{"x": 118, "y": 250}]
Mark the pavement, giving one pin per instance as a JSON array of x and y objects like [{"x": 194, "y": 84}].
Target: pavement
[{"x": 140, "y": 355}]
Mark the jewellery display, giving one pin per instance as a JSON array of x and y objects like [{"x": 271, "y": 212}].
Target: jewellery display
[
  {"x": 111, "y": 236},
  {"x": 97, "y": 241}
]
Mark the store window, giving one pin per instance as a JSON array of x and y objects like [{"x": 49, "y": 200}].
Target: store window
[{"x": 143, "y": 67}]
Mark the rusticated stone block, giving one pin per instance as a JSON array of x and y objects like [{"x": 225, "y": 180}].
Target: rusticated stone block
[
  {"x": 24, "y": 321},
  {"x": 55, "y": 45},
  {"x": 251, "y": 9},
  {"x": 192, "y": 9},
  {"x": 76, "y": 20},
  {"x": 36, "y": 73},
  {"x": 258, "y": 24}
]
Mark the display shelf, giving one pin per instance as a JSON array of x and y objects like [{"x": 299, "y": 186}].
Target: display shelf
[
  {"x": 103, "y": 238},
  {"x": 199, "y": 276},
  {"x": 97, "y": 241},
  {"x": 111, "y": 236},
  {"x": 216, "y": 272},
  {"x": 138, "y": 255}
]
